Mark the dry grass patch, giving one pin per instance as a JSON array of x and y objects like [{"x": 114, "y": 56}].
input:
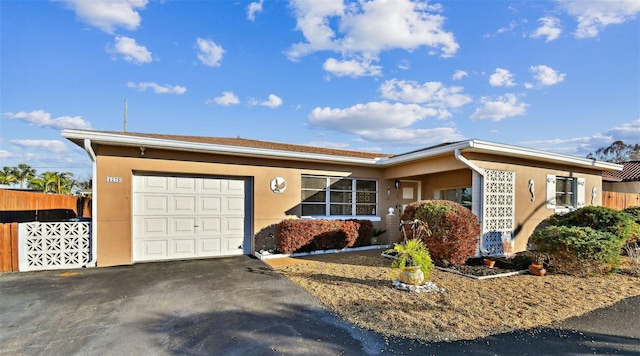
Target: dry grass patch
[{"x": 358, "y": 288}]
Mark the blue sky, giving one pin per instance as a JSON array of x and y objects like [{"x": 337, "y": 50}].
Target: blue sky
[{"x": 381, "y": 76}]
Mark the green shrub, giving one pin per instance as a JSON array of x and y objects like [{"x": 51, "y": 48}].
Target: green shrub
[
  {"x": 634, "y": 212},
  {"x": 412, "y": 253},
  {"x": 578, "y": 250},
  {"x": 598, "y": 218},
  {"x": 454, "y": 230}
]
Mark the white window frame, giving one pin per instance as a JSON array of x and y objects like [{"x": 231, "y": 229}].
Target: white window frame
[
  {"x": 354, "y": 202},
  {"x": 578, "y": 187}
]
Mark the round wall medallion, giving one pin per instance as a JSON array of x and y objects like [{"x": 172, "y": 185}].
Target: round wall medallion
[{"x": 278, "y": 185}]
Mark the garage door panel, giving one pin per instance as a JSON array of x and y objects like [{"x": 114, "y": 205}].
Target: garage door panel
[
  {"x": 184, "y": 185},
  {"x": 158, "y": 204},
  {"x": 182, "y": 226},
  {"x": 210, "y": 246},
  {"x": 211, "y": 205},
  {"x": 184, "y": 205},
  {"x": 211, "y": 186},
  {"x": 235, "y": 187},
  {"x": 185, "y": 217},
  {"x": 183, "y": 247},
  {"x": 152, "y": 184},
  {"x": 233, "y": 205},
  {"x": 211, "y": 226},
  {"x": 156, "y": 249}
]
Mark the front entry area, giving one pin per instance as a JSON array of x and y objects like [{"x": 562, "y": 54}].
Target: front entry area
[{"x": 176, "y": 217}]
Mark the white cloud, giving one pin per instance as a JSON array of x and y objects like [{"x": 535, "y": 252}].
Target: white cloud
[
  {"x": 43, "y": 119},
  {"x": 594, "y": 16},
  {"x": 227, "y": 98},
  {"x": 158, "y": 89},
  {"x": 54, "y": 146},
  {"x": 420, "y": 137},
  {"x": 503, "y": 107},
  {"x": 459, "y": 74},
  {"x": 131, "y": 51},
  {"x": 351, "y": 68},
  {"x": 364, "y": 29},
  {"x": 404, "y": 64},
  {"x": 210, "y": 53},
  {"x": 550, "y": 28},
  {"x": 429, "y": 94},
  {"x": 547, "y": 76},
  {"x": 511, "y": 27},
  {"x": 369, "y": 117},
  {"x": 501, "y": 78},
  {"x": 253, "y": 9},
  {"x": 108, "y": 15},
  {"x": 581, "y": 146},
  {"x": 273, "y": 102},
  {"x": 5, "y": 154}
]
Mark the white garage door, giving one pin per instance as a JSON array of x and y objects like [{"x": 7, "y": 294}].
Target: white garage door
[{"x": 187, "y": 217}]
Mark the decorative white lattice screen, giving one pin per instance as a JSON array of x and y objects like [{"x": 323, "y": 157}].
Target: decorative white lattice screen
[
  {"x": 498, "y": 212},
  {"x": 58, "y": 245}
]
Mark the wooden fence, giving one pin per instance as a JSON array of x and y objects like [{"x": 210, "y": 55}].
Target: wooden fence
[
  {"x": 616, "y": 200},
  {"x": 20, "y": 206},
  {"x": 9, "y": 247}
]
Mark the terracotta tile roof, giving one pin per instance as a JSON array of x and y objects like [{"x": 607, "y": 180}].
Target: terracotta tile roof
[
  {"x": 243, "y": 142},
  {"x": 630, "y": 172}
]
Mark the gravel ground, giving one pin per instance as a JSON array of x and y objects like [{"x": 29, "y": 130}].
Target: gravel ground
[{"x": 357, "y": 286}]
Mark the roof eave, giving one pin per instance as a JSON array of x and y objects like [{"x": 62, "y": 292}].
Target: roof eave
[{"x": 136, "y": 141}]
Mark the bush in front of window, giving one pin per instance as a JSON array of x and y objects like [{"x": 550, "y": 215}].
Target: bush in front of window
[
  {"x": 454, "y": 230},
  {"x": 578, "y": 250},
  {"x": 365, "y": 232},
  {"x": 600, "y": 218},
  {"x": 312, "y": 235}
]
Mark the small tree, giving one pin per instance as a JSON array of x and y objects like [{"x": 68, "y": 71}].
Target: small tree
[{"x": 23, "y": 173}]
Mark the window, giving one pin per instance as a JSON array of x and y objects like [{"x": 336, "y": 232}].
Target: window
[
  {"x": 565, "y": 193},
  {"x": 461, "y": 196},
  {"x": 333, "y": 196}
]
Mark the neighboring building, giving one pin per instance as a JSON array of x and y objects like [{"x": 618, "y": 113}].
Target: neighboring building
[
  {"x": 162, "y": 197},
  {"x": 625, "y": 181}
]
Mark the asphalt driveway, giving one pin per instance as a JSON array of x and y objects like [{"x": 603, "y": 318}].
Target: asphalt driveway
[{"x": 238, "y": 306}]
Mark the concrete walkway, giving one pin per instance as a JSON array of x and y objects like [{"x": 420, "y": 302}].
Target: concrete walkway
[{"x": 238, "y": 306}]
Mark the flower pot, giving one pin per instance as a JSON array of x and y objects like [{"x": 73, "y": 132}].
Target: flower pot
[
  {"x": 411, "y": 275},
  {"x": 489, "y": 262},
  {"x": 537, "y": 269}
]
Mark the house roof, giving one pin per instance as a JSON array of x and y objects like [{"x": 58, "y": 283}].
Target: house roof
[
  {"x": 630, "y": 173},
  {"x": 266, "y": 149}
]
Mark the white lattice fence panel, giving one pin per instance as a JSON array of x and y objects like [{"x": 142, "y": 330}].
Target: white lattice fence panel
[
  {"x": 498, "y": 212},
  {"x": 56, "y": 245}
]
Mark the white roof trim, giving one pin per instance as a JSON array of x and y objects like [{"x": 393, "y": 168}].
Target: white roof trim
[
  {"x": 148, "y": 142},
  {"x": 449, "y": 149}
]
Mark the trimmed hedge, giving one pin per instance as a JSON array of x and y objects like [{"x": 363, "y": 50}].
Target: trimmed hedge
[
  {"x": 454, "y": 230},
  {"x": 579, "y": 250},
  {"x": 599, "y": 218},
  {"x": 365, "y": 232},
  {"x": 295, "y": 235}
]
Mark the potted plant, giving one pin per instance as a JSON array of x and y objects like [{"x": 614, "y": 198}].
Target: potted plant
[
  {"x": 537, "y": 264},
  {"x": 412, "y": 264}
]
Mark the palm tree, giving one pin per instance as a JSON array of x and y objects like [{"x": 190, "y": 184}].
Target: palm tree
[
  {"x": 23, "y": 172},
  {"x": 46, "y": 182},
  {"x": 66, "y": 183},
  {"x": 7, "y": 176}
]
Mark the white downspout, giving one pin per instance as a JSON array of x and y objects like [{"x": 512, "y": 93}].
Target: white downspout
[
  {"x": 481, "y": 172},
  {"x": 94, "y": 202}
]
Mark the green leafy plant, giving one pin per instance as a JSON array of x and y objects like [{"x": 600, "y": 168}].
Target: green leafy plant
[
  {"x": 578, "y": 250},
  {"x": 411, "y": 253},
  {"x": 619, "y": 223}
]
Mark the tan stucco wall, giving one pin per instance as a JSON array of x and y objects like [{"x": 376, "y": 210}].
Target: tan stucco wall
[
  {"x": 529, "y": 214},
  {"x": 114, "y": 243}
]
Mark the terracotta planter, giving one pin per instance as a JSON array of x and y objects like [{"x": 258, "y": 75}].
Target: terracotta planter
[
  {"x": 537, "y": 270},
  {"x": 412, "y": 275},
  {"x": 489, "y": 262}
]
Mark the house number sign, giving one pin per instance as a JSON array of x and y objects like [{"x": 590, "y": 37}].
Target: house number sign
[{"x": 114, "y": 179}]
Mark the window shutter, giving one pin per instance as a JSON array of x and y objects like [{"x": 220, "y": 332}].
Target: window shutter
[
  {"x": 580, "y": 192},
  {"x": 551, "y": 191}
]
